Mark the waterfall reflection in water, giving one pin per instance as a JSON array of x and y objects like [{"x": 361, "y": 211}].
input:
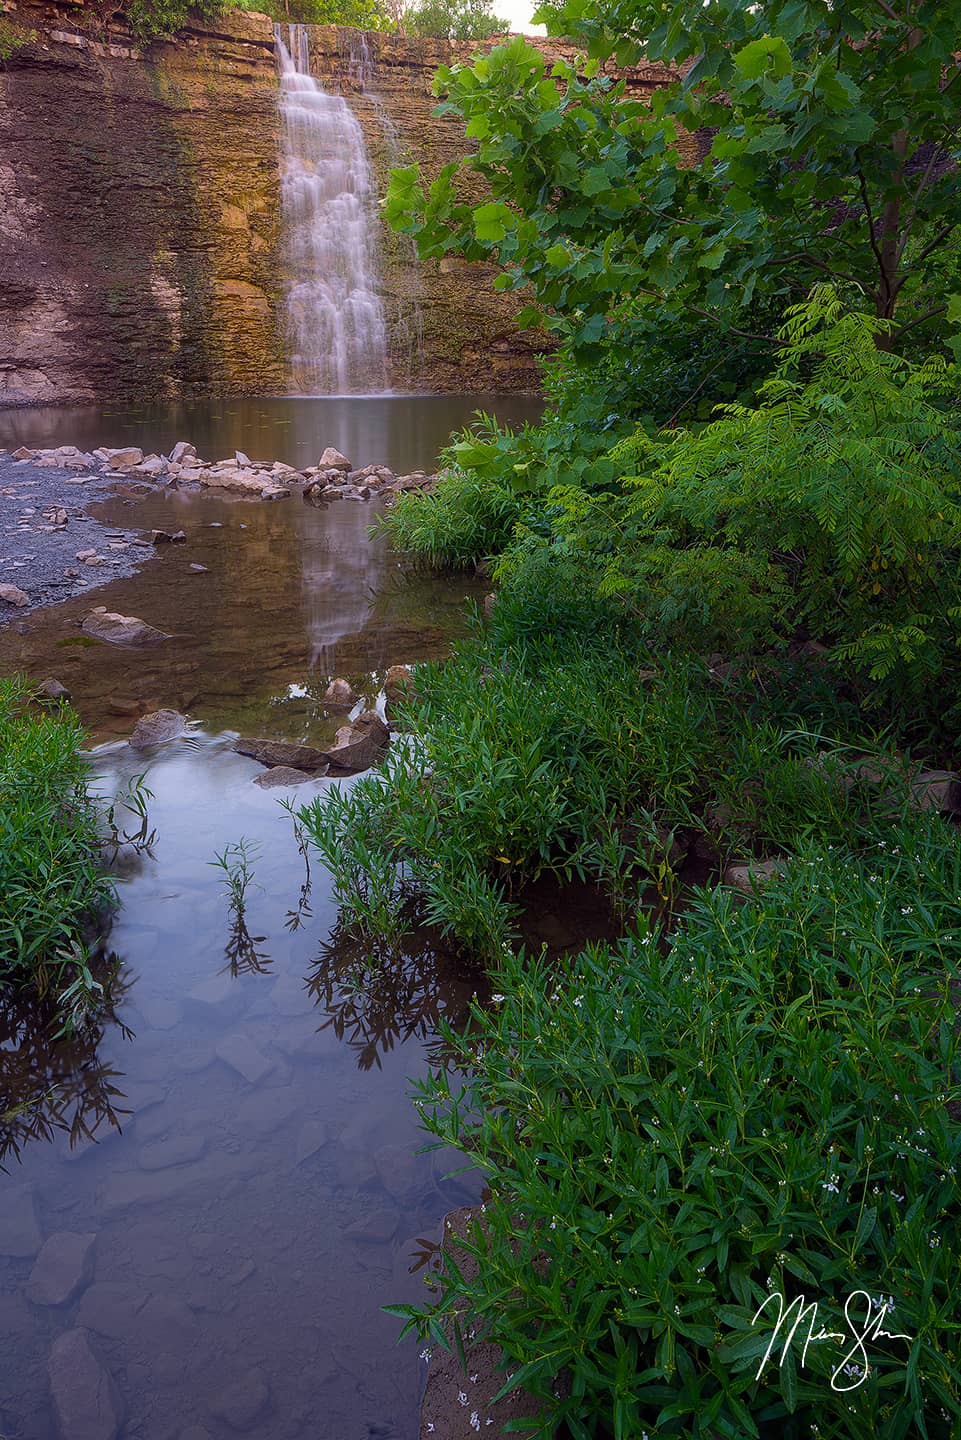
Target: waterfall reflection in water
[{"x": 335, "y": 311}]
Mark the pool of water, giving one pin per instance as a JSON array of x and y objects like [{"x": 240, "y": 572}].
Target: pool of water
[
  {"x": 237, "y": 1135},
  {"x": 403, "y": 431},
  {"x": 239, "y": 1141}
]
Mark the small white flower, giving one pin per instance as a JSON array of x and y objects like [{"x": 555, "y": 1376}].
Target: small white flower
[
  {"x": 497, "y": 999},
  {"x": 462, "y": 1397},
  {"x": 474, "y": 1420}
]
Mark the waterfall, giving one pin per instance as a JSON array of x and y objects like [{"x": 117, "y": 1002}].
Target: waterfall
[
  {"x": 334, "y": 310},
  {"x": 405, "y": 321}
]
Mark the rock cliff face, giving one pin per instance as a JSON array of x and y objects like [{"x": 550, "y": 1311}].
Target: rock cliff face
[{"x": 140, "y": 222}]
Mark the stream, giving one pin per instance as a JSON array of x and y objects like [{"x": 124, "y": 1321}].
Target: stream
[{"x": 238, "y": 1138}]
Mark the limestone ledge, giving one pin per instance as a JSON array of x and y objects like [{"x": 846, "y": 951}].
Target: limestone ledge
[{"x": 141, "y": 252}]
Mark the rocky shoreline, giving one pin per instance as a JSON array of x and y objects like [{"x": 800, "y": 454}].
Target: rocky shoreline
[{"x": 52, "y": 549}]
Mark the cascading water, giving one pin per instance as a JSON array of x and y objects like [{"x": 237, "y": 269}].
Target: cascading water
[
  {"x": 335, "y": 314},
  {"x": 405, "y": 321}
]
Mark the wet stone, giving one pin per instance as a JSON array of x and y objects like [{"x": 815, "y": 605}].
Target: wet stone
[
  {"x": 154, "y": 729},
  {"x": 242, "y": 1404},
  {"x": 179, "y": 1150},
  {"x": 62, "y": 1269},
  {"x": 20, "y": 1235},
  {"x": 313, "y": 1136},
  {"x": 111, "y": 1308},
  {"x": 374, "y": 1229},
  {"x": 242, "y": 1055},
  {"x": 267, "y": 1111},
  {"x": 282, "y": 775},
  {"x": 86, "y": 1400},
  {"x": 159, "y": 1013}
]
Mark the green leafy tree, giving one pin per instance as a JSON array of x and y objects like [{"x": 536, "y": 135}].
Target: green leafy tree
[
  {"x": 454, "y": 19},
  {"x": 831, "y": 140}
]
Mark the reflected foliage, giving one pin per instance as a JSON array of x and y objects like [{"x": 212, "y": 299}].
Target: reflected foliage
[
  {"x": 49, "y": 1084},
  {"x": 381, "y": 994}
]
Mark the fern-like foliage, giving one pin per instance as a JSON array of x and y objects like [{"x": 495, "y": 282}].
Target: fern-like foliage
[{"x": 832, "y": 504}]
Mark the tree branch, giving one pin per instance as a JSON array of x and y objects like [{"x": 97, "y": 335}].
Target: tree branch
[
  {"x": 912, "y": 324},
  {"x": 867, "y": 208},
  {"x": 939, "y": 239}
]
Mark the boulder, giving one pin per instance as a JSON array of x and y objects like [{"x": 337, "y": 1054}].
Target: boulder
[
  {"x": 125, "y": 458},
  {"x": 117, "y": 629},
  {"x": 12, "y": 595},
  {"x": 754, "y": 875},
  {"x": 51, "y": 689},
  {"x": 85, "y": 1398},
  {"x": 153, "y": 466},
  {"x": 282, "y": 752},
  {"x": 157, "y": 727},
  {"x": 399, "y": 682},
  {"x": 22, "y": 453},
  {"x": 244, "y": 461},
  {"x": 339, "y": 695},
  {"x": 333, "y": 460},
  {"x": 937, "y": 790},
  {"x": 183, "y": 450},
  {"x": 285, "y": 775},
  {"x": 360, "y": 745},
  {"x": 246, "y": 482},
  {"x": 62, "y": 1269}
]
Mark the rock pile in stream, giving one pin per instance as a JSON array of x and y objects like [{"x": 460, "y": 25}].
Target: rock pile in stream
[{"x": 333, "y": 477}]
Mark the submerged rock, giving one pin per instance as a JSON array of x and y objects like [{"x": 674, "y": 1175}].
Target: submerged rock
[
  {"x": 244, "y": 1403},
  {"x": 360, "y": 745},
  {"x": 62, "y": 1269},
  {"x": 282, "y": 775},
  {"x": 118, "y": 629},
  {"x": 86, "y": 1400},
  {"x": 154, "y": 729},
  {"x": 20, "y": 1235},
  {"x": 281, "y": 752}
]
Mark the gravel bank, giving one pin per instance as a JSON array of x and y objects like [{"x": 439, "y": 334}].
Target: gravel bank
[{"x": 45, "y": 527}]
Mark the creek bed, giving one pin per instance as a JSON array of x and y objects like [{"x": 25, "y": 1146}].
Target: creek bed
[{"x": 239, "y": 1138}]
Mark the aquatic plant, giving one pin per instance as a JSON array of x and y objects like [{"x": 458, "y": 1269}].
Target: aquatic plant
[{"x": 241, "y": 952}]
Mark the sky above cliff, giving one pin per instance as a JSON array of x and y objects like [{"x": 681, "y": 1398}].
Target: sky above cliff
[{"x": 519, "y": 13}]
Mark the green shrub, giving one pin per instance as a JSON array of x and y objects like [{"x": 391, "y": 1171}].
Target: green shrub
[
  {"x": 52, "y": 882},
  {"x": 551, "y": 755},
  {"x": 682, "y": 1127}
]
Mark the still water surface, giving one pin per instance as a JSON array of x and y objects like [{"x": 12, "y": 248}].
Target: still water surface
[
  {"x": 403, "y": 431},
  {"x": 252, "y": 1182}
]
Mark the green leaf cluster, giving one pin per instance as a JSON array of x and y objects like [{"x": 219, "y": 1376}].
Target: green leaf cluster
[
  {"x": 52, "y": 883},
  {"x": 680, "y": 1126},
  {"x": 834, "y": 155}
]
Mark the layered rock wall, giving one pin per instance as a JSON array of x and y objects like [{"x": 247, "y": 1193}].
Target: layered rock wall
[{"x": 140, "y": 227}]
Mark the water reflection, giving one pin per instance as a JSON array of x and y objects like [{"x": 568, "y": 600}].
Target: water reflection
[
  {"x": 256, "y": 1193},
  {"x": 381, "y": 994},
  {"x": 402, "y": 431},
  {"x": 292, "y": 594},
  {"x": 49, "y": 1085}
]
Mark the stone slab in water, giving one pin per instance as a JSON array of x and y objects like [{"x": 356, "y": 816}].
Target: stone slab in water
[
  {"x": 118, "y": 629},
  {"x": 87, "y": 1402},
  {"x": 280, "y": 752},
  {"x": 20, "y": 1235},
  {"x": 281, "y": 775},
  {"x": 62, "y": 1269},
  {"x": 154, "y": 729}
]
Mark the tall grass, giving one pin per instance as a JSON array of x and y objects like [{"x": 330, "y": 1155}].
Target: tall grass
[{"x": 52, "y": 883}]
